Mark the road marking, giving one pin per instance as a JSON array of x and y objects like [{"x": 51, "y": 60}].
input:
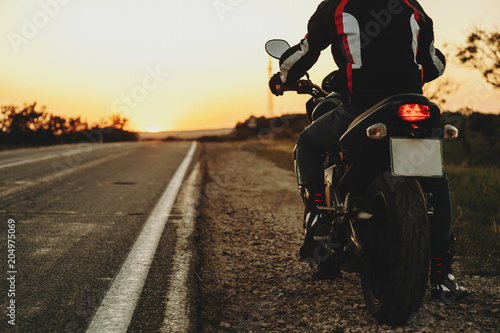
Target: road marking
[
  {"x": 117, "y": 307},
  {"x": 177, "y": 315},
  {"x": 64, "y": 154},
  {"x": 29, "y": 160},
  {"x": 59, "y": 176}
]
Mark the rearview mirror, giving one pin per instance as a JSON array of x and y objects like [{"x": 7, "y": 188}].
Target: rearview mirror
[{"x": 276, "y": 47}]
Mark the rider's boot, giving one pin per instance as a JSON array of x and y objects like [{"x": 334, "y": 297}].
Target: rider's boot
[
  {"x": 316, "y": 223},
  {"x": 317, "y": 226},
  {"x": 444, "y": 287}
]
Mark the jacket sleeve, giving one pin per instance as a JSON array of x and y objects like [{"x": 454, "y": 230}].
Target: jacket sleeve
[
  {"x": 298, "y": 59},
  {"x": 432, "y": 60}
]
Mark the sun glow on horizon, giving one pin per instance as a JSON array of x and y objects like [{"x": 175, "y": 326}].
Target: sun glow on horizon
[{"x": 153, "y": 129}]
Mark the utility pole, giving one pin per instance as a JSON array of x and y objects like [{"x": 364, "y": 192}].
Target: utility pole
[{"x": 270, "y": 97}]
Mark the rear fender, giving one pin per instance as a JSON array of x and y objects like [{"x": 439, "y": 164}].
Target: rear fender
[{"x": 356, "y": 145}]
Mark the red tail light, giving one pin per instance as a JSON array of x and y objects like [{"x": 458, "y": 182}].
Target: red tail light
[{"x": 413, "y": 112}]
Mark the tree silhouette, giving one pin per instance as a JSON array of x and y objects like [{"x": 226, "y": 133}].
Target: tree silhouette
[
  {"x": 116, "y": 121},
  {"x": 482, "y": 52},
  {"x": 439, "y": 90},
  {"x": 31, "y": 126}
]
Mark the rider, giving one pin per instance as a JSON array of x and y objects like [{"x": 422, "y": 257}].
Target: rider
[{"x": 382, "y": 48}]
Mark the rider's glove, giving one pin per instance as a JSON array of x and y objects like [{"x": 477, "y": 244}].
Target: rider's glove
[{"x": 274, "y": 84}]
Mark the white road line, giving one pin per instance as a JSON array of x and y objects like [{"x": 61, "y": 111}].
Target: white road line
[
  {"x": 178, "y": 310},
  {"x": 59, "y": 176},
  {"x": 117, "y": 307},
  {"x": 30, "y": 160},
  {"x": 76, "y": 150}
]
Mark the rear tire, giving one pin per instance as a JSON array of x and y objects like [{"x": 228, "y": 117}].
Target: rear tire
[{"x": 395, "y": 263}]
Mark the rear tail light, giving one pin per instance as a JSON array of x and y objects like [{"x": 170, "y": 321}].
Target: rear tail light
[
  {"x": 376, "y": 131},
  {"x": 413, "y": 112}
]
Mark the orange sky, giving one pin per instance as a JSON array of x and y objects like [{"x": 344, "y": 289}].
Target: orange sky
[{"x": 181, "y": 64}]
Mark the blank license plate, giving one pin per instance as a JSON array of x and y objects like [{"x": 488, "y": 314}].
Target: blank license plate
[{"x": 416, "y": 157}]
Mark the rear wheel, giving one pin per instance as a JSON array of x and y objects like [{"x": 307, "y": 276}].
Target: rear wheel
[{"x": 395, "y": 263}]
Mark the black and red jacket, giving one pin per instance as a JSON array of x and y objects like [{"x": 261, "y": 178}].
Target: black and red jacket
[{"x": 382, "y": 48}]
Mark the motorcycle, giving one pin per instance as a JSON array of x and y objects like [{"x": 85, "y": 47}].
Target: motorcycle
[{"x": 378, "y": 209}]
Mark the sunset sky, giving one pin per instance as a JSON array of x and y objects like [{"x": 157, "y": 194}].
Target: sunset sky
[{"x": 183, "y": 64}]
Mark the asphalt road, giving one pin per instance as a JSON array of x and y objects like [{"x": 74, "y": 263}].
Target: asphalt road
[{"x": 76, "y": 212}]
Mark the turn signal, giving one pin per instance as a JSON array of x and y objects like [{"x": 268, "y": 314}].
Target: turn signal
[
  {"x": 450, "y": 132},
  {"x": 413, "y": 112},
  {"x": 376, "y": 131}
]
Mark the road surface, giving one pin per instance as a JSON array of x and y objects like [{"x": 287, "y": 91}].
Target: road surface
[{"x": 76, "y": 212}]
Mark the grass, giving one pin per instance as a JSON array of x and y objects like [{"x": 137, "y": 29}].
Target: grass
[
  {"x": 475, "y": 150},
  {"x": 473, "y": 167},
  {"x": 475, "y": 192},
  {"x": 279, "y": 152},
  {"x": 474, "y": 173}
]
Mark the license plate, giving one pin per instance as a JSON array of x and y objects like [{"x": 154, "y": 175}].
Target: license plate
[{"x": 416, "y": 157}]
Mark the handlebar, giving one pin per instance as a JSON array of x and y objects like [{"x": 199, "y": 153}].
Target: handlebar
[{"x": 303, "y": 87}]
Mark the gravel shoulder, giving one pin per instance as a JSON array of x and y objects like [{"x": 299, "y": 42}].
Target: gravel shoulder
[{"x": 250, "y": 231}]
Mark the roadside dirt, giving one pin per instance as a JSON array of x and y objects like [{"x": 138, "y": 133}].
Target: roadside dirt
[{"x": 252, "y": 280}]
